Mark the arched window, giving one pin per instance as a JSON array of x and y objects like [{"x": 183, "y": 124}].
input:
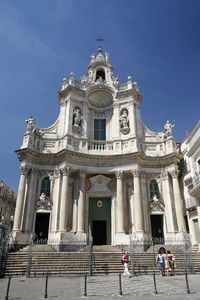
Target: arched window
[
  {"x": 100, "y": 73},
  {"x": 154, "y": 189},
  {"x": 45, "y": 187}
]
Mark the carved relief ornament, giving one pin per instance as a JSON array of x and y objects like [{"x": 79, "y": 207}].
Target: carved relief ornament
[
  {"x": 136, "y": 172},
  {"x": 156, "y": 206},
  {"x": 119, "y": 174},
  {"x": 24, "y": 169},
  {"x": 43, "y": 203},
  {"x": 164, "y": 175},
  {"x": 65, "y": 171},
  {"x": 174, "y": 173}
]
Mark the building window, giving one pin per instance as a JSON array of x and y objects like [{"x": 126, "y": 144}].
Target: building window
[
  {"x": 100, "y": 73},
  {"x": 45, "y": 188},
  {"x": 154, "y": 190},
  {"x": 100, "y": 129},
  {"x": 198, "y": 164}
]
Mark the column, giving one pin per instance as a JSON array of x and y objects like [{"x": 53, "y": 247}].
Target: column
[
  {"x": 75, "y": 207},
  {"x": 20, "y": 199},
  {"x": 138, "y": 213},
  {"x": 81, "y": 202},
  {"x": 178, "y": 201},
  {"x": 31, "y": 201},
  {"x": 64, "y": 199},
  {"x": 120, "y": 206},
  {"x": 55, "y": 192},
  {"x": 171, "y": 225}
]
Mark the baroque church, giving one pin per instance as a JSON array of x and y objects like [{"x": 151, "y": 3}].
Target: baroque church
[{"x": 98, "y": 168}]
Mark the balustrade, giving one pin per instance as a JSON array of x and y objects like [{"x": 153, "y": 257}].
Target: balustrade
[
  {"x": 100, "y": 146},
  {"x": 123, "y": 87}
]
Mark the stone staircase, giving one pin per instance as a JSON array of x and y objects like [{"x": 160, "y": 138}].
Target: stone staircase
[{"x": 106, "y": 259}]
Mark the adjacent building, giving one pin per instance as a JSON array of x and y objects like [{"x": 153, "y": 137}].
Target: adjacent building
[
  {"x": 7, "y": 207},
  {"x": 190, "y": 149}
]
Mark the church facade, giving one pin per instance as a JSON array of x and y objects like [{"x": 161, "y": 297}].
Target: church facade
[{"x": 99, "y": 167}]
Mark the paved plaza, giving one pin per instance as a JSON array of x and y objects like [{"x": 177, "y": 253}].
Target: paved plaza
[{"x": 102, "y": 287}]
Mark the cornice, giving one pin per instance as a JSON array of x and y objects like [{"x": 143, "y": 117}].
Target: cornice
[
  {"x": 193, "y": 132},
  {"x": 85, "y": 159},
  {"x": 194, "y": 147},
  {"x": 69, "y": 89}
]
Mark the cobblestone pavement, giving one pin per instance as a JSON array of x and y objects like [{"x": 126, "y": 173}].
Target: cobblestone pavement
[{"x": 102, "y": 287}]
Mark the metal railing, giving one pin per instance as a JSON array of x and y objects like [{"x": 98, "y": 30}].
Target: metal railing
[
  {"x": 143, "y": 254},
  {"x": 195, "y": 182}
]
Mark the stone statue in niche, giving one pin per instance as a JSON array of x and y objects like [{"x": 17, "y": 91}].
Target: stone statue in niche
[
  {"x": 124, "y": 123},
  {"x": 100, "y": 82},
  {"x": 31, "y": 123},
  {"x": 168, "y": 128},
  {"x": 77, "y": 119}
]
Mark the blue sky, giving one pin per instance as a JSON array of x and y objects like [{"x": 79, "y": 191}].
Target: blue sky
[{"x": 157, "y": 42}]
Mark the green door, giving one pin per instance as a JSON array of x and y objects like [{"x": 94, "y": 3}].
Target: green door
[
  {"x": 197, "y": 230},
  {"x": 100, "y": 220}
]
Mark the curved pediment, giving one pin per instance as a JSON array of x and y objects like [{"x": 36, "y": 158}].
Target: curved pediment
[{"x": 99, "y": 183}]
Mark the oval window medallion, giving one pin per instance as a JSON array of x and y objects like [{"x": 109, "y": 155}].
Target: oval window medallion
[{"x": 99, "y": 203}]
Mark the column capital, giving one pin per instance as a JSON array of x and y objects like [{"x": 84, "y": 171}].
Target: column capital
[
  {"x": 119, "y": 174},
  {"x": 23, "y": 170},
  {"x": 116, "y": 105},
  {"x": 56, "y": 173},
  {"x": 164, "y": 175},
  {"x": 174, "y": 173},
  {"x": 82, "y": 173},
  {"x": 136, "y": 172},
  {"x": 65, "y": 171}
]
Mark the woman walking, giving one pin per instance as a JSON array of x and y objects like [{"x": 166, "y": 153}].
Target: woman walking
[
  {"x": 171, "y": 259},
  {"x": 159, "y": 263},
  {"x": 126, "y": 259}
]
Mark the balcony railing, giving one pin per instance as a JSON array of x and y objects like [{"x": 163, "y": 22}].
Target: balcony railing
[
  {"x": 100, "y": 146},
  {"x": 190, "y": 203},
  {"x": 195, "y": 182},
  {"x": 194, "y": 187},
  {"x": 123, "y": 87}
]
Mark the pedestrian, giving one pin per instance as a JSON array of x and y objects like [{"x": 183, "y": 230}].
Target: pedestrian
[
  {"x": 171, "y": 259},
  {"x": 165, "y": 263},
  {"x": 159, "y": 263},
  {"x": 126, "y": 260}
]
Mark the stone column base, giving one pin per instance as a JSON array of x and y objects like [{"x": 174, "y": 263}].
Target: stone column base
[
  {"x": 67, "y": 241},
  {"x": 120, "y": 239},
  {"x": 21, "y": 239}
]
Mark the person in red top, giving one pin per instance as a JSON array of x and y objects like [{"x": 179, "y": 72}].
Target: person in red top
[
  {"x": 126, "y": 259},
  {"x": 171, "y": 259}
]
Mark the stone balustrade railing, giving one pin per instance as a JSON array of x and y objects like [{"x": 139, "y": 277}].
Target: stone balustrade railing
[
  {"x": 84, "y": 145},
  {"x": 100, "y": 145},
  {"x": 82, "y": 86},
  {"x": 123, "y": 87}
]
